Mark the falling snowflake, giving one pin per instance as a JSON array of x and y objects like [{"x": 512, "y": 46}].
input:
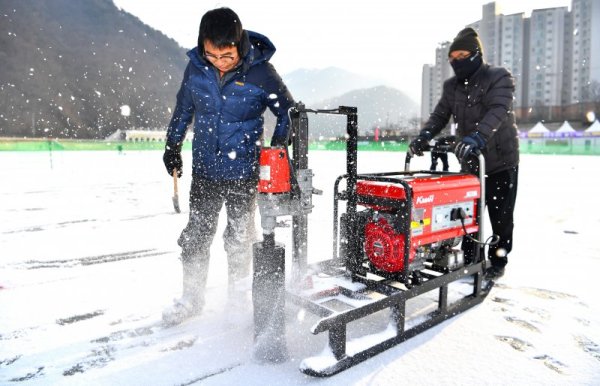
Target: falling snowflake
[
  {"x": 501, "y": 252},
  {"x": 125, "y": 110}
]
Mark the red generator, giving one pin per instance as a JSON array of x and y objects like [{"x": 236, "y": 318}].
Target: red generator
[{"x": 412, "y": 219}]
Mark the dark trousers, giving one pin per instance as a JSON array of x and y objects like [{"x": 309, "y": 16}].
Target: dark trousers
[
  {"x": 206, "y": 200},
  {"x": 500, "y": 199},
  {"x": 442, "y": 157}
]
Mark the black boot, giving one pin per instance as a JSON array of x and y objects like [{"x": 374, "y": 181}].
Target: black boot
[{"x": 494, "y": 272}]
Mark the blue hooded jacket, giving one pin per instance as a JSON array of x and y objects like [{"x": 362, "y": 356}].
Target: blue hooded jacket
[{"x": 228, "y": 111}]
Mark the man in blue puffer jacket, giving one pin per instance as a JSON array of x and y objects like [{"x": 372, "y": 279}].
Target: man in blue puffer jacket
[{"x": 226, "y": 88}]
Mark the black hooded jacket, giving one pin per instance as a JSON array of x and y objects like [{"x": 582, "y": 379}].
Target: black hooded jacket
[{"x": 482, "y": 104}]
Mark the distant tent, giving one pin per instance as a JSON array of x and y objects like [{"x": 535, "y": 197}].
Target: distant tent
[
  {"x": 539, "y": 130},
  {"x": 566, "y": 130},
  {"x": 593, "y": 130}
]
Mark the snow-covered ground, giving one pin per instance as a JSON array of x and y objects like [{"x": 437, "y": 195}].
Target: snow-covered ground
[{"x": 88, "y": 259}]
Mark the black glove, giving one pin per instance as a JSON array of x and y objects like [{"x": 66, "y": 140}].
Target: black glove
[
  {"x": 279, "y": 141},
  {"x": 172, "y": 159},
  {"x": 418, "y": 145},
  {"x": 471, "y": 144}
]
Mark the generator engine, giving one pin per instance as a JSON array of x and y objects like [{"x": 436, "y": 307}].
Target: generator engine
[{"x": 442, "y": 208}]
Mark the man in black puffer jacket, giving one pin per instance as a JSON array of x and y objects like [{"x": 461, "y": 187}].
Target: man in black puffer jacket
[{"x": 479, "y": 99}]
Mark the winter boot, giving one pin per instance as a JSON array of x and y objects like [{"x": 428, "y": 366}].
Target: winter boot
[
  {"x": 494, "y": 272},
  {"x": 195, "y": 273},
  {"x": 181, "y": 310}
]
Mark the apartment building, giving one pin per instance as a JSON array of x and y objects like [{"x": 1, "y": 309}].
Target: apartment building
[
  {"x": 433, "y": 79},
  {"x": 546, "y": 57},
  {"x": 554, "y": 56},
  {"x": 583, "y": 83},
  {"x": 512, "y": 51}
]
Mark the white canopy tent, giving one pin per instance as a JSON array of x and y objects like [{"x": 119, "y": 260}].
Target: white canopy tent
[
  {"x": 593, "y": 130},
  {"x": 566, "y": 130},
  {"x": 539, "y": 130}
]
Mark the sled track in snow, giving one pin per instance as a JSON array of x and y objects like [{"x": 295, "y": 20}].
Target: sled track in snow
[
  {"x": 39, "y": 228},
  {"x": 154, "y": 337},
  {"x": 211, "y": 374},
  {"x": 64, "y": 224},
  {"x": 90, "y": 260}
]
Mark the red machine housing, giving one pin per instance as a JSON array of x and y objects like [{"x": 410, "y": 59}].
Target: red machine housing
[
  {"x": 274, "y": 172},
  {"x": 436, "y": 202}
]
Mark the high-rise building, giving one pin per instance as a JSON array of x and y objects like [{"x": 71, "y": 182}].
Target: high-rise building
[
  {"x": 546, "y": 56},
  {"x": 511, "y": 53},
  {"x": 584, "y": 62},
  {"x": 427, "y": 101},
  {"x": 554, "y": 56},
  {"x": 489, "y": 32},
  {"x": 433, "y": 79}
]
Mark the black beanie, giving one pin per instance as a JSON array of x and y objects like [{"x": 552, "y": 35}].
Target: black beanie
[{"x": 468, "y": 40}]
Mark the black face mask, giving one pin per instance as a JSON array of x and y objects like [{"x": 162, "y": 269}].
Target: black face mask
[{"x": 466, "y": 67}]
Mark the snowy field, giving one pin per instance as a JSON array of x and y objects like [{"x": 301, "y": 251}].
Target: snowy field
[{"x": 88, "y": 259}]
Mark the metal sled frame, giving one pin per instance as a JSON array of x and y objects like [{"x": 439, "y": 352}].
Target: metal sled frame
[
  {"x": 395, "y": 298},
  {"x": 396, "y": 289}
]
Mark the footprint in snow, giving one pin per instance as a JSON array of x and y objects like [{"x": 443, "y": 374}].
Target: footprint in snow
[
  {"x": 583, "y": 322},
  {"x": 521, "y": 345},
  {"x": 123, "y": 334},
  {"x": 516, "y": 343},
  {"x": 548, "y": 294},
  {"x": 544, "y": 314},
  {"x": 182, "y": 344},
  {"x": 552, "y": 363},
  {"x": 28, "y": 376},
  {"x": 98, "y": 358},
  {"x": 9, "y": 361},
  {"x": 588, "y": 346},
  {"x": 79, "y": 318},
  {"x": 500, "y": 300},
  {"x": 522, "y": 323}
]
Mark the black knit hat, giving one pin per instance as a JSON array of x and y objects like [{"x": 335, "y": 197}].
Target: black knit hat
[{"x": 468, "y": 40}]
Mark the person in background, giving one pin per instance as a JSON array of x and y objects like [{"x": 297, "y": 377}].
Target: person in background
[
  {"x": 227, "y": 86},
  {"x": 437, "y": 155},
  {"x": 479, "y": 98}
]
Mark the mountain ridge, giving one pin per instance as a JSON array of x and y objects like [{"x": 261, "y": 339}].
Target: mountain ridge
[
  {"x": 71, "y": 70},
  {"x": 70, "y": 66}
]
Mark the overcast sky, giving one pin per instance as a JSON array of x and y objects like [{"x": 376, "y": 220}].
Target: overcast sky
[{"x": 384, "y": 39}]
